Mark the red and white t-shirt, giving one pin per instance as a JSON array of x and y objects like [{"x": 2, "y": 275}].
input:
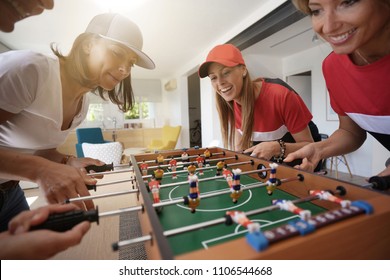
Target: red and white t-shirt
[
  {"x": 278, "y": 110},
  {"x": 361, "y": 92}
]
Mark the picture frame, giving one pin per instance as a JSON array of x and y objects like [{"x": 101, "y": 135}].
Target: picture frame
[{"x": 331, "y": 115}]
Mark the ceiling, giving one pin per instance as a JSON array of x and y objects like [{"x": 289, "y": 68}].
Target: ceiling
[{"x": 177, "y": 33}]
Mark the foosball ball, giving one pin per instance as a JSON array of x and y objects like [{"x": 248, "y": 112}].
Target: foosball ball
[{"x": 218, "y": 204}]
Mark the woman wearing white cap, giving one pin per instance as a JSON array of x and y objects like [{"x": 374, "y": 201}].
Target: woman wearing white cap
[
  {"x": 43, "y": 98},
  {"x": 264, "y": 117}
]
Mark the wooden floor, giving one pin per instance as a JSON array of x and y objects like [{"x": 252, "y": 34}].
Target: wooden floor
[{"x": 359, "y": 180}]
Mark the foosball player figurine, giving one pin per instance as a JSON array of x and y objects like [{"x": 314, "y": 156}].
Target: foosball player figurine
[
  {"x": 160, "y": 159},
  {"x": 173, "y": 166},
  {"x": 228, "y": 175},
  {"x": 191, "y": 169},
  {"x": 325, "y": 195},
  {"x": 254, "y": 236},
  {"x": 199, "y": 161},
  {"x": 236, "y": 185},
  {"x": 154, "y": 188},
  {"x": 144, "y": 169},
  {"x": 193, "y": 199},
  {"x": 158, "y": 174},
  {"x": 287, "y": 205},
  {"x": 220, "y": 165},
  {"x": 184, "y": 158},
  {"x": 272, "y": 179},
  {"x": 207, "y": 155}
]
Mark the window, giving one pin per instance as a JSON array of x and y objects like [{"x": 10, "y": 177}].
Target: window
[{"x": 139, "y": 111}]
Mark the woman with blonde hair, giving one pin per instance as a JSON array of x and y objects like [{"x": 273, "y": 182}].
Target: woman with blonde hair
[
  {"x": 263, "y": 117},
  {"x": 356, "y": 74}
]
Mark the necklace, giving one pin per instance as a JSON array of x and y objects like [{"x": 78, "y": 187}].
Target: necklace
[{"x": 362, "y": 58}]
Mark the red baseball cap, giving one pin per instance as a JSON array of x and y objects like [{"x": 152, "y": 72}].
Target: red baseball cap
[{"x": 227, "y": 55}]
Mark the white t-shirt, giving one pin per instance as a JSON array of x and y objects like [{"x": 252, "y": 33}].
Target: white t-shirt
[{"x": 30, "y": 88}]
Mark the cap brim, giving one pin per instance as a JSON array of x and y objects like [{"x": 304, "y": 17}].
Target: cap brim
[
  {"x": 143, "y": 61},
  {"x": 204, "y": 68}
]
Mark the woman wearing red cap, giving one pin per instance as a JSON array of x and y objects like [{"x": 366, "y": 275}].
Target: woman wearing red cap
[
  {"x": 356, "y": 74},
  {"x": 43, "y": 98},
  {"x": 264, "y": 117}
]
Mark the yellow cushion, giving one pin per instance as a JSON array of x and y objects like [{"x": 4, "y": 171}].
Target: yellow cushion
[{"x": 170, "y": 135}]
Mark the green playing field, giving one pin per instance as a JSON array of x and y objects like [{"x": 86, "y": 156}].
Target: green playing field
[{"x": 179, "y": 215}]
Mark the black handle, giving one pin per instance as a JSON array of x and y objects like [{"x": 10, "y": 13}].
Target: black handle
[
  {"x": 100, "y": 168},
  {"x": 65, "y": 221},
  {"x": 380, "y": 183},
  {"x": 91, "y": 187}
]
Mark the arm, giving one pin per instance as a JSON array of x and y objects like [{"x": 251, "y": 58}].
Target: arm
[
  {"x": 20, "y": 243},
  {"x": 237, "y": 141},
  {"x": 267, "y": 150},
  {"x": 59, "y": 181},
  {"x": 346, "y": 139}
]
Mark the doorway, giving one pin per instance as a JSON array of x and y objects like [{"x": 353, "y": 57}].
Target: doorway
[
  {"x": 194, "y": 110},
  {"x": 301, "y": 83}
]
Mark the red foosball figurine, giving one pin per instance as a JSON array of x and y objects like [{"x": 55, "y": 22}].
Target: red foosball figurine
[
  {"x": 144, "y": 169},
  {"x": 291, "y": 207},
  {"x": 228, "y": 175},
  {"x": 173, "y": 166},
  {"x": 240, "y": 218},
  {"x": 154, "y": 188},
  {"x": 325, "y": 195},
  {"x": 199, "y": 161}
]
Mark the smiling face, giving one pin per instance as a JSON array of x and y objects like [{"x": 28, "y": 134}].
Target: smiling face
[
  {"x": 353, "y": 24},
  {"x": 109, "y": 63},
  {"x": 227, "y": 81}
]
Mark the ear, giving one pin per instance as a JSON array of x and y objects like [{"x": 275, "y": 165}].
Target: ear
[{"x": 245, "y": 71}]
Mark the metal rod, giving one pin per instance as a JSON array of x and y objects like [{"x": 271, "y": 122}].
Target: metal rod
[
  {"x": 111, "y": 172},
  {"x": 82, "y": 198},
  {"x": 213, "y": 178},
  {"x": 114, "y": 182},
  {"x": 203, "y": 168},
  {"x": 187, "y": 163},
  {"x": 256, "y": 185},
  {"x": 121, "y": 211},
  {"x": 180, "y": 230},
  {"x": 132, "y": 241},
  {"x": 166, "y": 159}
]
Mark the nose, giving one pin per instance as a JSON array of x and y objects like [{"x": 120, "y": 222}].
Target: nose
[
  {"x": 124, "y": 69},
  {"x": 330, "y": 22}
]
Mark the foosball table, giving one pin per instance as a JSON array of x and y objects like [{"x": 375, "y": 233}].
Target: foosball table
[{"x": 217, "y": 204}]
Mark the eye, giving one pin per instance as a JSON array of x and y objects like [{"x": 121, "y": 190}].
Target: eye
[
  {"x": 314, "y": 12},
  {"x": 226, "y": 72},
  {"x": 348, "y": 3}
]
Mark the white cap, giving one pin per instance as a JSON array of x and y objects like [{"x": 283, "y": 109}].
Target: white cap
[{"x": 120, "y": 29}]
